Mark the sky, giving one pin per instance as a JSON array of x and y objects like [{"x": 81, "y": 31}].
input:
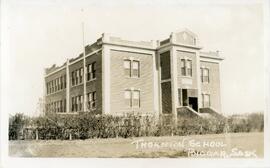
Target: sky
[{"x": 42, "y": 33}]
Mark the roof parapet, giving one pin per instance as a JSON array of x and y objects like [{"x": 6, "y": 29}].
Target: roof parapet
[
  {"x": 211, "y": 53},
  {"x": 108, "y": 39},
  {"x": 53, "y": 68}
]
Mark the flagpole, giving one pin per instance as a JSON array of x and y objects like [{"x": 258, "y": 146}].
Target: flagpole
[{"x": 84, "y": 71}]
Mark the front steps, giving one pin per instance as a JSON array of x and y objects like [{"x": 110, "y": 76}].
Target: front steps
[{"x": 186, "y": 111}]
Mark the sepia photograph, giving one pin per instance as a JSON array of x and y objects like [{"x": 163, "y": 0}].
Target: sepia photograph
[{"x": 177, "y": 80}]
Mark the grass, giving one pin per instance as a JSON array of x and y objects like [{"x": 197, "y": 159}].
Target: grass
[{"x": 233, "y": 144}]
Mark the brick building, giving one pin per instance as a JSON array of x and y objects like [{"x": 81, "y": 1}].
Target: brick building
[{"x": 157, "y": 77}]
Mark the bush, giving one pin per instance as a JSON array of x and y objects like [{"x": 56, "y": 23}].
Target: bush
[
  {"x": 246, "y": 123},
  {"x": 86, "y": 125}
]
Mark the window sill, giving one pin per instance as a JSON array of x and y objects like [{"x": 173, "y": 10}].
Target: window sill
[
  {"x": 56, "y": 92},
  {"x": 91, "y": 80},
  {"x": 131, "y": 108},
  {"x": 189, "y": 77},
  {"x": 83, "y": 83},
  {"x": 76, "y": 85},
  {"x": 132, "y": 77},
  {"x": 89, "y": 110}
]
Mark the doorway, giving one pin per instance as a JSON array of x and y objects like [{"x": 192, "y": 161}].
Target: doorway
[
  {"x": 184, "y": 97},
  {"x": 193, "y": 103},
  {"x": 189, "y": 99}
]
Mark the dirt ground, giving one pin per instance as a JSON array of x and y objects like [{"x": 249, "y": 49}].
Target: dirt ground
[{"x": 233, "y": 145}]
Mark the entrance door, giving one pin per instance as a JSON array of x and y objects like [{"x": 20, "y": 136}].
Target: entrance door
[
  {"x": 193, "y": 103},
  {"x": 184, "y": 97}
]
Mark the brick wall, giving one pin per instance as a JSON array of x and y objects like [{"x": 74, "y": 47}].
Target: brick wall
[
  {"x": 58, "y": 95},
  {"x": 165, "y": 65},
  {"x": 77, "y": 89},
  {"x": 96, "y": 85},
  {"x": 166, "y": 97},
  {"x": 119, "y": 82},
  {"x": 213, "y": 87},
  {"x": 182, "y": 81}
]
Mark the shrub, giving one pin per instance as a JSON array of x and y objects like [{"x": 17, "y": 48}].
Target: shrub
[
  {"x": 246, "y": 123},
  {"x": 86, "y": 125}
]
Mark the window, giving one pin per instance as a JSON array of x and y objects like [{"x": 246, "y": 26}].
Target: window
[
  {"x": 136, "y": 98},
  {"x": 64, "y": 105},
  {"x": 91, "y": 100},
  {"x": 65, "y": 82},
  {"x": 94, "y": 100},
  {"x": 72, "y": 104},
  {"x": 61, "y": 106},
  {"x": 205, "y": 75},
  {"x": 81, "y": 75},
  {"x": 58, "y": 106},
  {"x": 132, "y": 68},
  {"x": 54, "y": 107},
  {"x": 50, "y": 87},
  {"x": 73, "y": 78},
  {"x": 179, "y": 97},
  {"x": 61, "y": 82},
  {"x": 57, "y": 84},
  {"x": 81, "y": 102},
  {"x": 127, "y": 66},
  {"x": 53, "y": 86},
  {"x": 75, "y": 104},
  {"x": 206, "y": 100},
  {"x": 183, "y": 67},
  {"x": 78, "y": 102},
  {"x": 132, "y": 98},
  {"x": 189, "y": 68},
  {"x": 77, "y": 77},
  {"x": 128, "y": 100},
  {"x": 91, "y": 71},
  {"x": 135, "y": 69},
  {"x": 47, "y": 88},
  {"x": 186, "y": 67},
  {"x": 94, "y": 70}
]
